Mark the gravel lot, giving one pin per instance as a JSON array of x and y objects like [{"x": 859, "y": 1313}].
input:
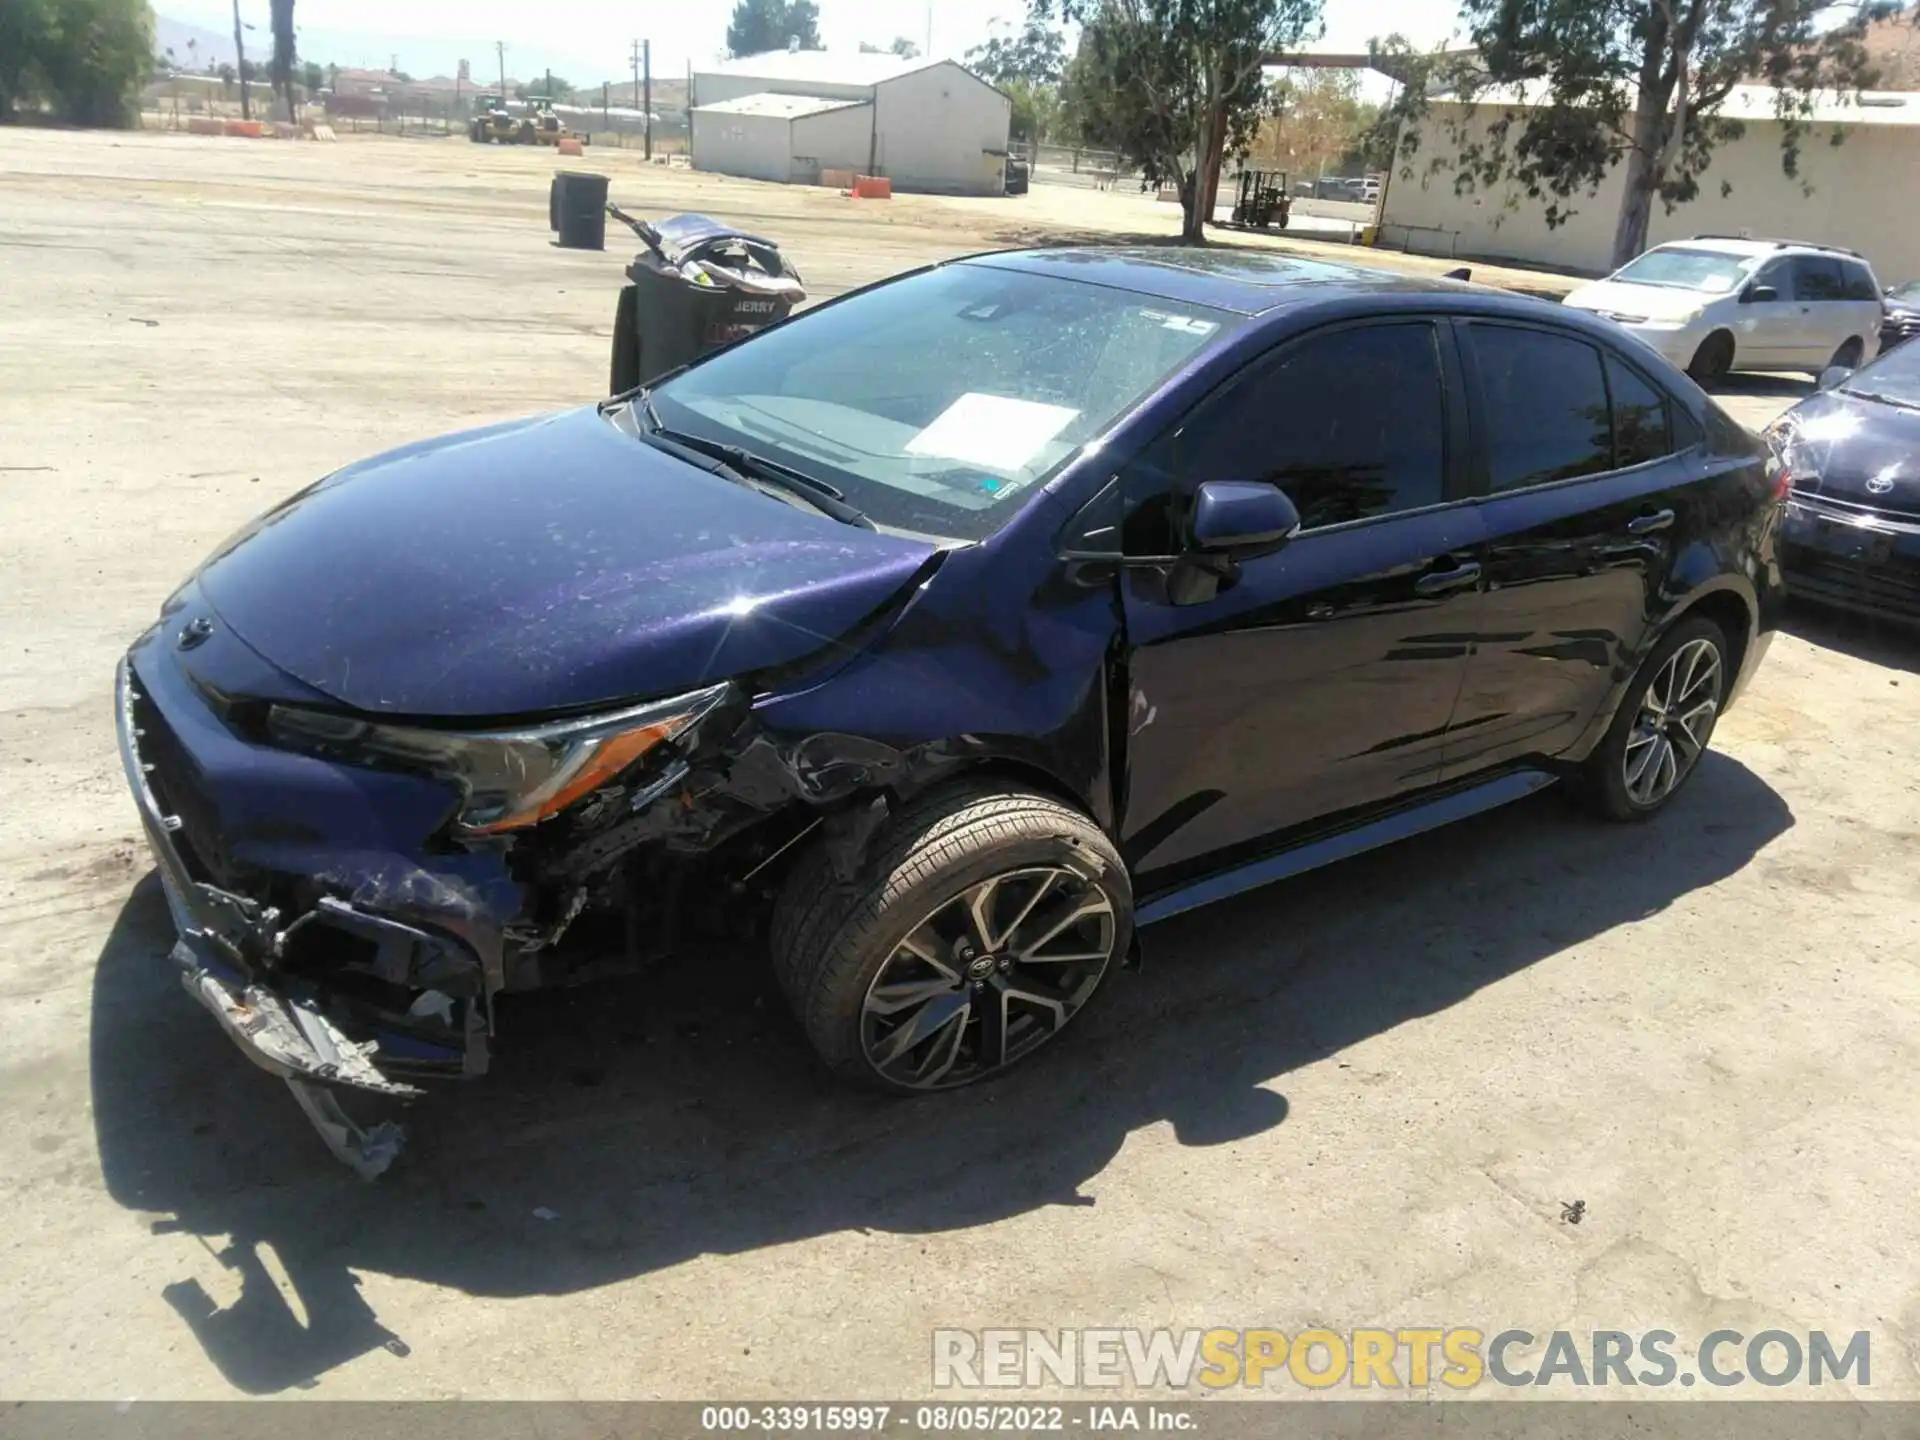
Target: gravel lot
[{"x": 1361, "y": 1098}]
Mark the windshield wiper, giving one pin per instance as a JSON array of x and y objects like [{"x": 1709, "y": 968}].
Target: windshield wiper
[{"x": 738, "y": 462}]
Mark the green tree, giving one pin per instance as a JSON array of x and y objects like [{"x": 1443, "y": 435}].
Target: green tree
[
  {"x": 1177, "y": 85},
  {"x": 1036, "y": 109},
  {"x": 283, "y": 53},
  {"x": 901, "y": 46},
  {"x": 1633, "y": 84},
  {"x": 312, "y": 78},
  {"x": 1036, "y": 53},
  {"x": 1316, "y": 122},
  {"x": 24, "y": 26},
  {"x": 554, "y": 88},
  {"x": 761, "y": 25},
  {"x": 85, "y": 58}
]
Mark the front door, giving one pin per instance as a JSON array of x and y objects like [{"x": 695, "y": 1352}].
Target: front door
[
  {"x": 1771, "y": 332},
  {"x": 1319, "y": 681},
  {"x": 1585, "y": 503}
]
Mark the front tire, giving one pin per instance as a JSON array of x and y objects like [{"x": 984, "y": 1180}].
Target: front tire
[
  {"x": 1663, "y": 727},
  {"x": 981, "y": 923}
]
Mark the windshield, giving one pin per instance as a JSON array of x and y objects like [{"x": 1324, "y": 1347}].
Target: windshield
[
  {"x": 937, "y": 403},
  {"x": 1894, "y": 377},
  {"x": 1908, "y": 291},
  {"x": 1678, "y": 269}
]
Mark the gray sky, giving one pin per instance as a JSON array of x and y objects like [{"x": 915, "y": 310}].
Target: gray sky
[{"x": 592, "y": 36}]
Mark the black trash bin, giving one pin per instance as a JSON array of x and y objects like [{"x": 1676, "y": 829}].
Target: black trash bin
[
  {"x": 580, "y": 203},
  {"x": 698, "y": 285}
]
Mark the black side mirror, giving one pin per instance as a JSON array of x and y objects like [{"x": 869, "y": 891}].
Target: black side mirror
[
  {"x": 1231, "y": 516},
  {"x": 1759, "y": 295},
  {"x": 1834, "y": 376}
]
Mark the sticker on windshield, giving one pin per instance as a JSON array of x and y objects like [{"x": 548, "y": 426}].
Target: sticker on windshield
[
  {"x": 1717, "y": 283},
  {"x": 1184, "y": 324},
  {"x": 992, "y": 430}
]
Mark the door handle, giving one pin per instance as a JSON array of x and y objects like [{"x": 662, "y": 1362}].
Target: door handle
[
  {"x": 1441, "y": 582},
  {"x": 1648, "y": 523}
]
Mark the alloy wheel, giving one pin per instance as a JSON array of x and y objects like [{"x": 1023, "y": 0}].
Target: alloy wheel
[
  {"x": 1675, "y": 720},
  {"x": 987, "y": 977}
]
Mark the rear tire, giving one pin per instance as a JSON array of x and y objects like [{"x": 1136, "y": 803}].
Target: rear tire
[
  {"x": 982, "y": 920},
  {"x": 1663, "y": 727},
  {"x": 1713, "y": 361},
  {"x": 1849, "y": 354}
]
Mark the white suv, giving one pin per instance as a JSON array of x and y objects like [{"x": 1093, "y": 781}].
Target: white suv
[{"x": 1714, "y": 304}]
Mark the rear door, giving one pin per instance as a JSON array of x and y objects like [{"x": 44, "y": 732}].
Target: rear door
[
  {"x": 1826, "y": 317},
  {"x": 1320, "y": 680},
  {"x": 1588, "y": 489},
  {"x": 1866, "y": 311}
]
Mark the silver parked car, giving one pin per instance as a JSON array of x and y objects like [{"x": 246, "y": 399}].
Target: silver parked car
[{"x": 1714, "y": 304}]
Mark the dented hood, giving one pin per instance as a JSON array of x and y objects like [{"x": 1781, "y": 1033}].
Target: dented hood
[
  {"x": 1861, "y": 451},
  {"x": 548, "y": 564}
]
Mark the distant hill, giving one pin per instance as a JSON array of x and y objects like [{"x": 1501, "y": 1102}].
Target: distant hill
[
  {"x": 352, "y": 49},
  {"x": 209, "y": 47},
  {"x": 1894, "y": 47}
]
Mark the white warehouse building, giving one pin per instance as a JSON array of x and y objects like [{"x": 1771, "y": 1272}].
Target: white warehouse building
[{"x": 790, "y": 115}]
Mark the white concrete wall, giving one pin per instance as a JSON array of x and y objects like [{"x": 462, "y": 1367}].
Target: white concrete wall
[
  {"x": 832, "y": 140},
  {"x": 935, "y": 125},
  {"x": 753, "y": 146},
  {"x": 711, "y": 88},
  {"x": 1865, "y": 196}
]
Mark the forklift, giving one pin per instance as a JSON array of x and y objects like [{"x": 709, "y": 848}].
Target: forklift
[{"x": 1261, "y": 199}]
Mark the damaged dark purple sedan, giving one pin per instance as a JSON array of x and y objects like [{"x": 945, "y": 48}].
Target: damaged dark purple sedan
[{"x": 937, "y": 639}]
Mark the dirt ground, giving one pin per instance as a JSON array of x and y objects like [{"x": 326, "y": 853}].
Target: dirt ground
[{"x": 1361, "y": 1098}]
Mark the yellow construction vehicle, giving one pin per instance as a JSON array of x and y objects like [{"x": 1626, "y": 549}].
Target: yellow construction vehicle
[
  {"x": 543, "y": 127},
  {"x": 492, "y": 124}
]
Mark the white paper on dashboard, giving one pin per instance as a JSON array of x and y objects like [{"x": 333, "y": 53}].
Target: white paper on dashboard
[{"x": 992, "y": 430}]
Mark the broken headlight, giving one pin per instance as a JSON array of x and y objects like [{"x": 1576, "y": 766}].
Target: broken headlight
[{"x": 508, "y": 779}]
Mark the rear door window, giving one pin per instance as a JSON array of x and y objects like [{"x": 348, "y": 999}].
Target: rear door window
[
  {"x": 1859, "y": 281},
  {"x": 1642, "y": 418},
  {"x": 1545, "y": 415},
  {"x": 1817, "y": 278}
]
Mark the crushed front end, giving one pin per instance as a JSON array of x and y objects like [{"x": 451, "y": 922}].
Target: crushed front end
[{"x": 352, "y": 896}]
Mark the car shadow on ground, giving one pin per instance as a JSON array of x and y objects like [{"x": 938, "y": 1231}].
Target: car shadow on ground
[
  {"x": 1765, "y": 387},
  {"x": 658, "y": 1121},
  {"x": 1887, "y": 643}
]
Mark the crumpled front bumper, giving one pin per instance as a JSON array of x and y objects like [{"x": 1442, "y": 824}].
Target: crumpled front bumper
[{"x": 223, "y": 937}]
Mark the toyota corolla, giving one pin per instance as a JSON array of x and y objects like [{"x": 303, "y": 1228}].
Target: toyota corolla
[{"x": 936, "y": 639}]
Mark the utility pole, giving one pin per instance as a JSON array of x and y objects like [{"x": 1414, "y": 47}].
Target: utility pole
[
  {"x": 240, "y": 63},
  {"x": 642, "y": 58},
  {"x": 500, "y": 49}
]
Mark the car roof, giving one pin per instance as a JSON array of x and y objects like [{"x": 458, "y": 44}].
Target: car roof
[
  {"x": 1747, "y": 249},
  {"x": 1245, "y": 282}
]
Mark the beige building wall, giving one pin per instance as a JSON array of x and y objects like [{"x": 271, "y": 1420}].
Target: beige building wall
[
  {"x": 1865, "y": 196},
  {"x": 832, "y": 140},
  {"x": 938, "y": 129}
]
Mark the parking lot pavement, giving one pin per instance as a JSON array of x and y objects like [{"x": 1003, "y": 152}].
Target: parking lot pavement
[
  {"x": 1756, "y": 400},
  {"x": 1367, "y": 1097}
]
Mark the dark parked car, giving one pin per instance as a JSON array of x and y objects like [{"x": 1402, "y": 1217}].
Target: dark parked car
[
  {"x": 1901, "y": 320},
  {"x": 939, "y": 637},
  {"x": 1852, "y": 533}
]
